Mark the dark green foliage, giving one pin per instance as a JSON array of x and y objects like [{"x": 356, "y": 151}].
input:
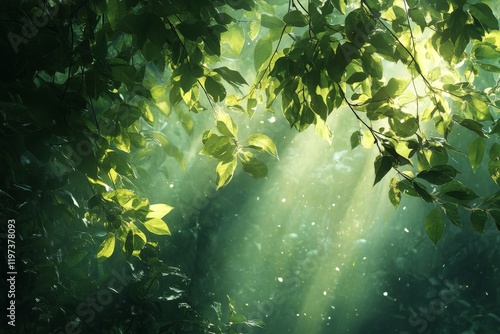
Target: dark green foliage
[{"x": 86, "y": 88}]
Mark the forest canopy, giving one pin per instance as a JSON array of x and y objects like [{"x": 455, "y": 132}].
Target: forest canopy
[{"x": 93, "y": 91}]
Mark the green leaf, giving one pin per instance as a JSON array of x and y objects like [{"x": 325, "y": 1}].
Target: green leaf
[
  {"x": 295, "y": 18},
  {"x": 475, "y": 152},
  {"x": 158, "y": 210},
  {"x": 439, "y": 174},
  {"x": 235, "y": 37},
  {"x": 495, "y": 215},
  {"x": 271, "y": 22},
  {"x": 233, "y": 78},
  {"x": 355, "y": 139},
  {"x": 126, "y": 114},
  {"x": 484, "y": 14},
  {"x": 76, "y": 257},
  {"x": 223, "y": 18},
  {"x": 394, "y": 192},
  {"x": 457, "y": 192},
  {"x": 157, "y": 226},
  {"x": 339, "y": 5},
  {"x": 358, "y": 26},
  {"x": 372, "y": 65},
  {"x": 211, "y": 38},
  {"x": 494, "y": 163},
  {"x": 187, "y": 79},
  {"x": 486, "y": 51},
  {"x": 262, "y": 52},
  {"x": 357, "y": 77},
  {"x": 225, "y": 124},
  {"x": 493, "y": 200},
  {"x": 122, "y": 70},
  {"x": 478, "y": 105},
  {"x": 422, "y": 192},
  {"x": 117, "y": 10},
  {"x": 191, "y": 30},
  {"x": 252, "y": 165},
  {"x": 489, "y": 67},
  {"x": 116, "y": 161},
  {"x": 323, "y": 130},
  {"x": 451, "y": 211},
  {"x": 263, "y": 142},
  {"x": 107, "y": 247},
  {"x": 255, "y": 323},
  {"x": 395, "y": 87},
  {"x": 434, "y": 225},
  {"x": 215, "y": 89},
  {"x": 478, "y": 220},
  {"x": 471, "y": 125},
  {"x": 253, "y": 29},
  {"x": 367, "y": 139},
  {"x": 128, "y": 246},
  {"x": 383, "y": 165},
  {"x": 158, "y": 92},
  {"x": 417, "y": 16},
  {"x": 251, "y": 106},
  {"x": 404, "y": 125},
  {"x": 225, "y": 171},
  {"x": 218, "y": 147}
]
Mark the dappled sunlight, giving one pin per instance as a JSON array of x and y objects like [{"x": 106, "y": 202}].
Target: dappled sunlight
[
  {"x": 300, "y": 167},
  {"x": 298, "y": 243}
]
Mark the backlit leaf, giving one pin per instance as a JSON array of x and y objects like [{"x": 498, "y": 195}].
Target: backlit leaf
[
  {"x": 475, "y": 152},
  {"x": 157, "y": 226},
  {"x": 263, "y": 50},
  {"x": 158, "y": 210},
  {"x": 252, "y": 165},
  {"x": 323, "y": 130},
  {"x": 434, "y": 225},
  {"x": 486, "y": 51},
  {"x": 225, "y": 124},
  {"x": 219, "y": 147},
  {"x": 339, "y": 5},
  {"x": 263, "y": 142},
  {"x": 235, "y": 37},
  {"x": 394, "y": 192},
  {"x": 494, "y": 163},
  {"x": 367, "y": 139},
  {"x": 253, "y": 30},
  {"x": 225, "y": 171},
  {"x": 107, "y": 247}
]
